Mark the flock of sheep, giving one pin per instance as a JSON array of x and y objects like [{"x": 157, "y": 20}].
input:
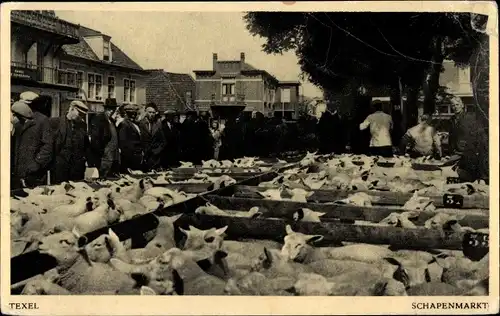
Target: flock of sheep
[{"x": 53, "y": 219}]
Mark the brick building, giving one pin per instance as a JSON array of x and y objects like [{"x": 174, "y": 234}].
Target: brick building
[
  {"x": 103, "y": 71},
  {"x": 36, "y": 41},
  {"x": 170, "y": 91},
  {"x": 236, "y": 83}
]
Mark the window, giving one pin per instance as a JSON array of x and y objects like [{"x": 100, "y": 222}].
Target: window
[
  {"x": 79, "y": 84},
  {"x": 285, "y": 95},
  {"x": 464, "y": 75},
  {"x": 188, "y": 97},
  {"x": 228, "y": 86},
  {"x": 111, "y": 87},
  {"x": 94, "y": 84},
  {"x": 106, "y": 53},
  {"x": 128, "y": 91}
]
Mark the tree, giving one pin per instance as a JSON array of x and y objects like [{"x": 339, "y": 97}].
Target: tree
[{"x": 342, "y": 51}]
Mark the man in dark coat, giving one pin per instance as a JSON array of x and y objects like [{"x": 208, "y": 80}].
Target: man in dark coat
[
  {"x": 32, "y": 146},
  {"x": 71, "y": 144},
  {"x": 205, "y": 140},
  {"x": 104, "y": 142},
  {"x": 153, "y": 138},
  {"x": 172, "y": 150},
  {"x": 469, "y": 141},
  {"x": 189, "y": 137},
  {"x": 129, "y": 140}
]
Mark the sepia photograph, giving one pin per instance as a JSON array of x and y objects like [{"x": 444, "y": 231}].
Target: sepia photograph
[{"x": 335, "y": 151}]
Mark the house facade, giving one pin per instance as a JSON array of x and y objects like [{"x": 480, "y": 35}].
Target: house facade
[
  {"x": 235, "y": 83},
  {"x": 37, "y": 38},
  {"x": 459, "y": 83},
  {"x": 102, "y": 71},
  {"x": 170, "y": 91}
]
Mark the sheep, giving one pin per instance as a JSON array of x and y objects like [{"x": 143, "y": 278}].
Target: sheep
[
  {"x": 210, "y": 209},
  {"x": 162, "y": 241},
  {"x": 272, "y": 194},
  {"x": 419, "y": 203},
  {"x": 358, "y": 284},
  {"x": 222, "y": 181},
  {"x": 134, "y": 192},
  {"x": 77, "y": 273},
  {"x": 43, "y": 286},
  {"x": 401, "y": 219},
  {"x": 255, "y": 283},
  {"x": 194, "y": 281},
  {"x": 297, "y": 248},
  {"x": 357, "y": 199},
  {"x": 197, "y": 239},
  {"x": 447, "y": 222},
  {"x": 102, "y": 216},
  {"x": 155, "y": 274},
  {"x": 186, "y": 164},
  {"x": 273, "y": 264},
  {"x": 457, "y": 269},
  {"x": 212, "y": 163},
  {"x": 299, "y": 195},
  {"x": 81, "y": 205},
  {"x": 307, "y": 215},
  {"x": 414, "y": 272}
]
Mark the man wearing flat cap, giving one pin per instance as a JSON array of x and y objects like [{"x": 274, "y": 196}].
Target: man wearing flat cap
[
  {"x": 31, "y": 146},
  {"x": 72, "y": 145}
]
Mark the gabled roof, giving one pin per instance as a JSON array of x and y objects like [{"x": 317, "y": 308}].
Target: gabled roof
[
  {"x": 168, "y": 89},
  {"x": 83, "y": 50}
]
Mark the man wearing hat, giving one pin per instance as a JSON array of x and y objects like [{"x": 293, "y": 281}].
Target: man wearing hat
[
  {"x": 31, "y": 148},
  {"x": 172, "y": 151},
  {"x": 72, "y": 146},
  {"x": 153, "y": 138},
  {"x": 104, "y": 153},
  {"x": 129, "y": 139}
]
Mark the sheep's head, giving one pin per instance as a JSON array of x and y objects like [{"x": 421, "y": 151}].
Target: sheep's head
[
  {"x": 197, "y": 239},
  {"x": 297, "y": 245},
  {"x": 401, "y": 219},
  {"x": 115, "y": 213},
  {"x": 312, "y": 284},
  {"x": 419, "y": 203},
  {"x": 444, "y": 221},
  {"x": 272, "y": 194},
  {"x": 410, "y": 272},
  {"x": 63, "y": 246}
]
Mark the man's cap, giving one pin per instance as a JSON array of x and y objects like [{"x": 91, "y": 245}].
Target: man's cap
[
  {"x": 28, "y": 96},
  {"x": 170, "y": 112},
  {"x": 80, "y": 106},
  {"x": 130, "y": 108},
  {"x": 22, "y": 109}
]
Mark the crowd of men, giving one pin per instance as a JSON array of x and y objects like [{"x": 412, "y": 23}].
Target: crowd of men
[{"x": 121, "y": 139}]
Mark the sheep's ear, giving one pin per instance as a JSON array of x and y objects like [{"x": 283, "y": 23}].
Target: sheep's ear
[
  {"x": 289, "y": 230},
  {"x": 186, "y": 232},
  {"x": 298, "y": 215},
  {"x": 314, "y": 239},
  {"x": 141, "y": 184},
  {"x": 269, "y": 257},
  {"x": 146, "y": 290},
  {"x": 393, "y": 261},
  {"x": 174, "y": 218},
  {"x": 221, "y": 230},
  {"x": 309, "y": 194},
  {"x": 76, "y": 232},
  {"x": 412, "y": 215}
]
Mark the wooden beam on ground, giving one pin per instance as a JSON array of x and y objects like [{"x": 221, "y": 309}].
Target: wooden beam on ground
[
  {"x": 385, "y": 197},
  {"x": 239, "y": 227},
  {"x": 285, "y": 209}
]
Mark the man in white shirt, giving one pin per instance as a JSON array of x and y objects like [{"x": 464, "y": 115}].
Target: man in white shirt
[{"x": 380, "y": 125}]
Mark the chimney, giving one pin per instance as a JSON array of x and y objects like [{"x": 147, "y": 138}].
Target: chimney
[
  {"x": 242, "y": 60},
  {"x": 214, "y": 61}
]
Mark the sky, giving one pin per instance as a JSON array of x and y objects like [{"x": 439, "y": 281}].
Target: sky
[{"x": 184, "y": 41}]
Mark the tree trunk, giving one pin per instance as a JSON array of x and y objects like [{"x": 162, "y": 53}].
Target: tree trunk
[
  {"x": 431, "y": 84},
  {"x": 410, "y": 115}
]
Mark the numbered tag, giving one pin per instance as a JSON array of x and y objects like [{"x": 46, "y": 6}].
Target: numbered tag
[
  {"x": 452, "y": 180},
  {"x": 475, "y": 245},
  {"x": 453, "y": 200}
]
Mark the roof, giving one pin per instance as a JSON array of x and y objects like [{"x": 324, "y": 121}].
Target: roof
[
  {"x": 83, "y": 50},
  {"x": 168, "y": 90},
  {"x": 295, "y": 83}
]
